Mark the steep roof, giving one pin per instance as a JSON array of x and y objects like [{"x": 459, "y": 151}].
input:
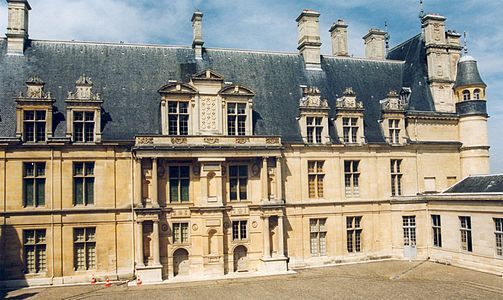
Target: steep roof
[
  {"x": 468, "y": 73},
  {"x": 478, "y": 184},
  {"x": 129, "y": 76}
]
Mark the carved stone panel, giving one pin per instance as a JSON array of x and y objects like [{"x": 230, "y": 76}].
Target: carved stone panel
[{"x": 208, "y": 107}]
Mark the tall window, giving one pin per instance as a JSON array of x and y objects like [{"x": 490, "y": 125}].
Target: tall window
[
  {"x": 83, "y": 126},
  {"x": 476, "y": 94},
  {"x": 314, "y": 129},
  {"x": 396, "y": 177},
  {"x": 498, "y": 223},
  {"x": 238, "y": 181},
  {"x": 409, "y": 230},
  {"x": 178, "y": 118},
  {"x": 318, "y": 237},
  {"x": 394, "y": 131},
  {"x": 239, "y": 231},
  {"x": 236, "y": 118},
  {"x": 34, "y": 184},
  {"x": 354, "y": 232},
  {"x": 351, "y": 178},
  {"x": 83, "y": 183},
  {"x": 466, "y": 95},
  {"x": 34, "y": 122},
  {"x": 34, "y": 245},
  {"x": 437, "y": 230},
  {"x": 466, "y": 233},
  {"x": 84, "y": 248},
  {"x": 179, "y": 180},
  {"x": 315, "y": 178},
  {"x": 350, "y": 130},
  {"x": 180, "y": 233}
]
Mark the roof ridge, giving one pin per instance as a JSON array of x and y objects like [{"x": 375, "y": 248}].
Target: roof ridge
[{"x": 405, "y": 42}]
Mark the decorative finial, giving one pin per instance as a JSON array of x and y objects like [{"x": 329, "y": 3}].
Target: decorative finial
[
  {"x": 421, "y": 9},
  {"x": 465, "y": 42}
]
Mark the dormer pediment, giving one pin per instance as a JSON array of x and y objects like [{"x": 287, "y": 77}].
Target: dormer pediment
[
  {"x": 348, "y": 102},
  {"x": 208, "y": 75},
  {"x": 177, "y": 88},
  {"x": 236, "y": 90},
  {"x": 35, "y": 94},
  {"x": 393, "y": 103},
  {"x": 84, "y": 94}
]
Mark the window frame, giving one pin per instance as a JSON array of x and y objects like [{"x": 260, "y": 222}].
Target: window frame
[
  {"x": 465, "y": 228},
  {"x": 85, "y": 124},
  {"x": 238, "y": 177},
  {"x": 409, "y": 230},
  {"x": 87, "y": 179},
  {"x": 396, "y": 177},
  {"x": 394, "y": 131},
  {"x": 466, "y": 95},
  {"x": 87, "y": 243},
  {"x": 318, "y": 237},
  {"x": 316, "y": 174},
  {"x": 240, "y": 230},
  {"x": 314, "y": 129},
  {"x": 178, "y": 239},
  {"x": 354, "y": 234},
  {"x": 39, "y": 250},
  {"x": 39, "y": 126},
  {"x": 240, "y": 120},
  {"x": 350, "y": 128},
  {"x": 498, "y": 234},
  {"x": 178, "y": 114},
  {"x": 179, "y": 180},
  {"x": 436, "y": 228},
  {"x": 36, "y": 180},
  {"x": 352, "y": 178}
]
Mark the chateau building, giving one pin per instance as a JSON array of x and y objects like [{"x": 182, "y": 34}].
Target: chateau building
[{"x": 167, "y": 162}]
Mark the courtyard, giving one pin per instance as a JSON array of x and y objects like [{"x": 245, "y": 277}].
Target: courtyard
[{"x": 377, "y": 280}]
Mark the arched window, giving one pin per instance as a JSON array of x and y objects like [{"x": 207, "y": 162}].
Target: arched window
[
  {"x": 466, "y": 95},
  {"x": 476, "y": 94}
]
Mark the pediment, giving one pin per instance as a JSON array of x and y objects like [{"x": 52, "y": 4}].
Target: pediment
[
  {"x": 177, "y": 88},
  {"x": 236, "y": 90},
  {"x": 208, "y": 75}
]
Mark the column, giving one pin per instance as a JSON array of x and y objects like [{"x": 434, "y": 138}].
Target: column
[
  {"x": 279, "y": 179},
  {"x": 139, "y": 244},
  {"x": 155, "y": 238},
  {"x": 267, "y": 241},
  {"x": 264, "y": 179},
  {"x": 155, "y": 192},
  {"x": 281, "y": 241},
  {"x": 137, "y": 182}
]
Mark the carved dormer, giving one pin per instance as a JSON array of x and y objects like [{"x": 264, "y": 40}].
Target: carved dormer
[
  {"x": 393, "y": 118},
  {"x": 83, "y": 111},
  {"x": 177, "y": 105},
  {"x": 349, "y": 118},
  {"x": 34, "y": 112},
  {"x": 313, "y": 117},
  {"x": 237, "y": 102}
]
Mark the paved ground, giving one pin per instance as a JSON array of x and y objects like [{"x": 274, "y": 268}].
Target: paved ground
[{"x": 378, "y": 280}]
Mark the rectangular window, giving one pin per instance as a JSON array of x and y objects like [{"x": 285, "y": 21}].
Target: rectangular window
[
  {"x": 394, "y": 131},
  {"x": 178, "y": 117},
  {"x": 236, "y": 118},
  {"x": 354, "y": 233},
  {"x": 350, "y": 130},
  {"x": 314, "y": 129},
  {"x": 396, "y": 177},
  {"x": 34, "y": 122},
  {"x": 34, "y": 245},
  {"x": 180, "y": 233},
  {"x": 498, "y": 223},
  {"x": 83, "y": 183},
  {"x": 239, "y": 230},
  {"x": 238, "y": 181},
  {"x": 318, "y": 234},
  {"x": 437, "y": 230},
  {"x": 84, "y": 248},
  {"x": 351, "y": 178},
  {"x": 34, "y": 184},
  {"x": 83, "y": 126},
  {"x": 315, "y": 178},
  {"x": 466, "y": 233},
  {"x": 409, "y": 230},
  {"x": 179, "y": 180}
]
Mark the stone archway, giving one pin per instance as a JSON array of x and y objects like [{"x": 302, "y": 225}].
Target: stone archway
[
  {"x": 180, "y": 262},
  {"x": 240, "y": 259}
]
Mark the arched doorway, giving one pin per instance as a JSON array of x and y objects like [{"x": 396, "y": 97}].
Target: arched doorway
[
  {"x": 180, "y": 262},
  {"x": 240, "y": 259}
]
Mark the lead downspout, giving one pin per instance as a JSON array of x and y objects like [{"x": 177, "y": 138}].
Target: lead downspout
[
  {"x": 52, "y": 214},
  {"x": 133, "y": 245}
]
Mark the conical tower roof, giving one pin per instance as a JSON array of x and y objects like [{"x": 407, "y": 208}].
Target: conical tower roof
[{"x": 468, "y": 73}]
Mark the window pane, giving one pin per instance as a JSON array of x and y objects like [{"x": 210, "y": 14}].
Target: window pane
[
  {"x": 243, "y": 188},
  {"x": 78, "y": 116},
  {"x": 28, "y": 192},
  {"x": 233, "y": 189},
  {"x": 78, "y": 190},
  {"x": 29, "y": 115},
  {"x": 89, "y": 168},
  {"x": 78, "y": 169},
  {"x": 89, "y": 191},
  {"x": 40, "y": 192},
  {"x": 173, "y": 190},
  {"x": 89, "y": 116},
  {"x": 40, "y": 169},
  {"x": 184, "y": 190},
  {"x": 40, "y": 115}
]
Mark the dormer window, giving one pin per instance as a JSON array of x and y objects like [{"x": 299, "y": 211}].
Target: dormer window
[
  {"x": 178, "y": 117},
  {"x": 393, "y": 119},
  {"x": 84, "y": 113},
  {"x": 313, "y": 119},
  {"x": 394, "y": 131},
  {"x": 466, "y": 95},
  {"x": 236, "y": 118},
  {"x": 34, "y": 110},
  {"x": 238, "y": 103},
  {"x": 349, "y": 119}
]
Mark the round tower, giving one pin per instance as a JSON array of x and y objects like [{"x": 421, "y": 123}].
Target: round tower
[{"x": 470, "y": 91}]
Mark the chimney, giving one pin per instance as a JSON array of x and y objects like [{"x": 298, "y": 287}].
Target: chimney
[
  {"x": 339, "y": 35},
  {"x": 375, "y": 42},
  {"x": 17, "y": 27},
  {"x": 434, "y": 29},
  {"x": 309, "y": 38},
  {"x": 197, "y": 41}
]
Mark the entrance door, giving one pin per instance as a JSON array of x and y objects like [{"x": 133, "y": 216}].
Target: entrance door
[
  {"x": 181, "y": 262},
  {"x": 409, "y": 237},
  {"x": 240, "y": 259}
]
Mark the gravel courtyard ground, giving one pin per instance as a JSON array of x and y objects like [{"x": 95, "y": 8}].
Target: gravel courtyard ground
[{"x": 378, "y": 280}]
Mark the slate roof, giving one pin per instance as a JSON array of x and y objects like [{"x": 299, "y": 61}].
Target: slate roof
[
  {"x": 468, "y": 73},
  {"x": 128, "y": 77},
  {"x": 478, "y": 184}
]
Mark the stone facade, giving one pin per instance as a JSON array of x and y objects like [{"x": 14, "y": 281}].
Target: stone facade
[{"x": 202, "y": 195}]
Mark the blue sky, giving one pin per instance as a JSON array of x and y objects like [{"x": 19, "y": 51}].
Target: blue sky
[{"x": 270, "y": 25}]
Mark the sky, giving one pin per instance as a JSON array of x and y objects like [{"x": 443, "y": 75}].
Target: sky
[{"x": 270, "y": 25}]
